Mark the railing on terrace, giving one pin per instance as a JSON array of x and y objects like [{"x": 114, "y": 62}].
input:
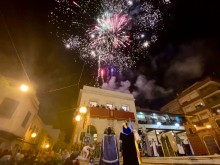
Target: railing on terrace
[
  {"x": 99, "y": 112},
  {"x": 168, "y": 123}
]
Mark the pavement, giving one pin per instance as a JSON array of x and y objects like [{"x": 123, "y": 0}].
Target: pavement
[{"x": 184, "y": 160}]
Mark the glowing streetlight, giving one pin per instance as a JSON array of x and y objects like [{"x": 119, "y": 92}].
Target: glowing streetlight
[
  {"x": 83, "y": 110},
  {"x": 33, "y": 135},
  {"x": 47, "y": 146},
  {"x": 208, "y": 126},
  {"x": 78, "y": 118},
  {"x": 24, "y": 88}
]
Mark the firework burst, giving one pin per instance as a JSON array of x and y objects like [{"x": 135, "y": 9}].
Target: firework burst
[{"x": 107, "y": 32}]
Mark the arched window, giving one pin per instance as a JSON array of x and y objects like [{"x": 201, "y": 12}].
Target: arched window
[{"x": 91, "y": 129}]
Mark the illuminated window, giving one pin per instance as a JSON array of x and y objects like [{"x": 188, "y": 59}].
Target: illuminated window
[
  {"x": 125, "y": 108},
  {"x": 92, "y": 104},
  {"x": 110, "y": 106}
]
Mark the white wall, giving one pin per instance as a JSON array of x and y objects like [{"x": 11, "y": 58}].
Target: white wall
[{"x": 26, "y": 103}]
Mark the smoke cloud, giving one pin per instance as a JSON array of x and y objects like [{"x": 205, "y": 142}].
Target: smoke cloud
[
  {"x": 115, "y": 86},
  {"x": 147, "y": 89},
  {"x": 188, "y": 64}
]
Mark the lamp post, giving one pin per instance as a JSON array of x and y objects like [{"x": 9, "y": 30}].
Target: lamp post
[{"x": 81, "y": 115}]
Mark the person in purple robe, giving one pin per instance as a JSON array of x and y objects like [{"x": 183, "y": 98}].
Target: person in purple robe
[{"x": 109, "y": 149}]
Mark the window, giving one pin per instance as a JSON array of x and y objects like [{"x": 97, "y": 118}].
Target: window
[
  {"x": 8, "y": 107},
  {"x": 195, "y": 119},
  {"x": 109, "y": 106},
  {"x": 28, "y": 115},
  {"x": 125, "y": 108},
  {"x": 204, "y": 115},
  {"x": 92, "y": 104},
  {"x": 218, "y": 122}
]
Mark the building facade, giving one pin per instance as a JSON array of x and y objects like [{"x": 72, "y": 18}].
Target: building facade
[
  {"x": 201, "y": 103},
  {"x": 105, "y": 109},
  {"x": 21, "y": 127}
]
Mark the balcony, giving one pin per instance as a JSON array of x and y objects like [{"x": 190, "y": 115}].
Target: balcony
[
  {"x": 209, "y": 90},
  {"x": 96, "y": 112},
  {"x": 202, "y": 93}
]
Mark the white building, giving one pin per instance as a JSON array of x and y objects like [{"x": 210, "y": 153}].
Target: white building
[
  {"x": 17, "y": 108},
  {"x": 19, "y": 117},
  {"x": 105, "y": 109}
]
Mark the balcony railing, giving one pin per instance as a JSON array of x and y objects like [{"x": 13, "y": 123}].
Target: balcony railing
[
  {"x": 167, "y": 123},
  {"x": 96, "y": 112}
]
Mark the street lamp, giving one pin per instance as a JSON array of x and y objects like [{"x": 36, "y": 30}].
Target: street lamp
[
  {"x": 33, "y": 135},
  {"x": 24, "y": 88},
  {"x": 83, "y": 110},
  {"x": 208, "y": 126},
  {"x": 78, "y": 118},
  {"x": 47, "y": 145}
]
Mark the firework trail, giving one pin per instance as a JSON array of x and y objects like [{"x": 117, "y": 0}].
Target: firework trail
[{"x": 107, "y": 32}]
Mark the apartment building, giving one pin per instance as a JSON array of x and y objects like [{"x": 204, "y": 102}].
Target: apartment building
[{"x": 201, "y": 104}]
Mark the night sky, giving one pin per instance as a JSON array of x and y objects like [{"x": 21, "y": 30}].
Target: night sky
[{"x": 187, "y": 50}]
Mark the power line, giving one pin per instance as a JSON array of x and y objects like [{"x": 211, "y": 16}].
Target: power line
[
  {"x": 16, "y": 51},
  {"x": 54, "y": 90},
  {"x": 58, "y": 89},
  {"x": 23, "y": 67}
]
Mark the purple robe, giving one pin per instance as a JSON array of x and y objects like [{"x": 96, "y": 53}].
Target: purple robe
[{"x": 109, "y": 151}]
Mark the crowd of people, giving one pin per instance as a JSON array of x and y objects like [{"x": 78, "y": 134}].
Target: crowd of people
[
  {"x": 49, "y": 156},
  {"x": 44, "y": 157}
]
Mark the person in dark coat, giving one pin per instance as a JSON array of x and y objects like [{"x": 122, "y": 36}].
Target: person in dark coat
[{"x": 129, "y": 151}]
